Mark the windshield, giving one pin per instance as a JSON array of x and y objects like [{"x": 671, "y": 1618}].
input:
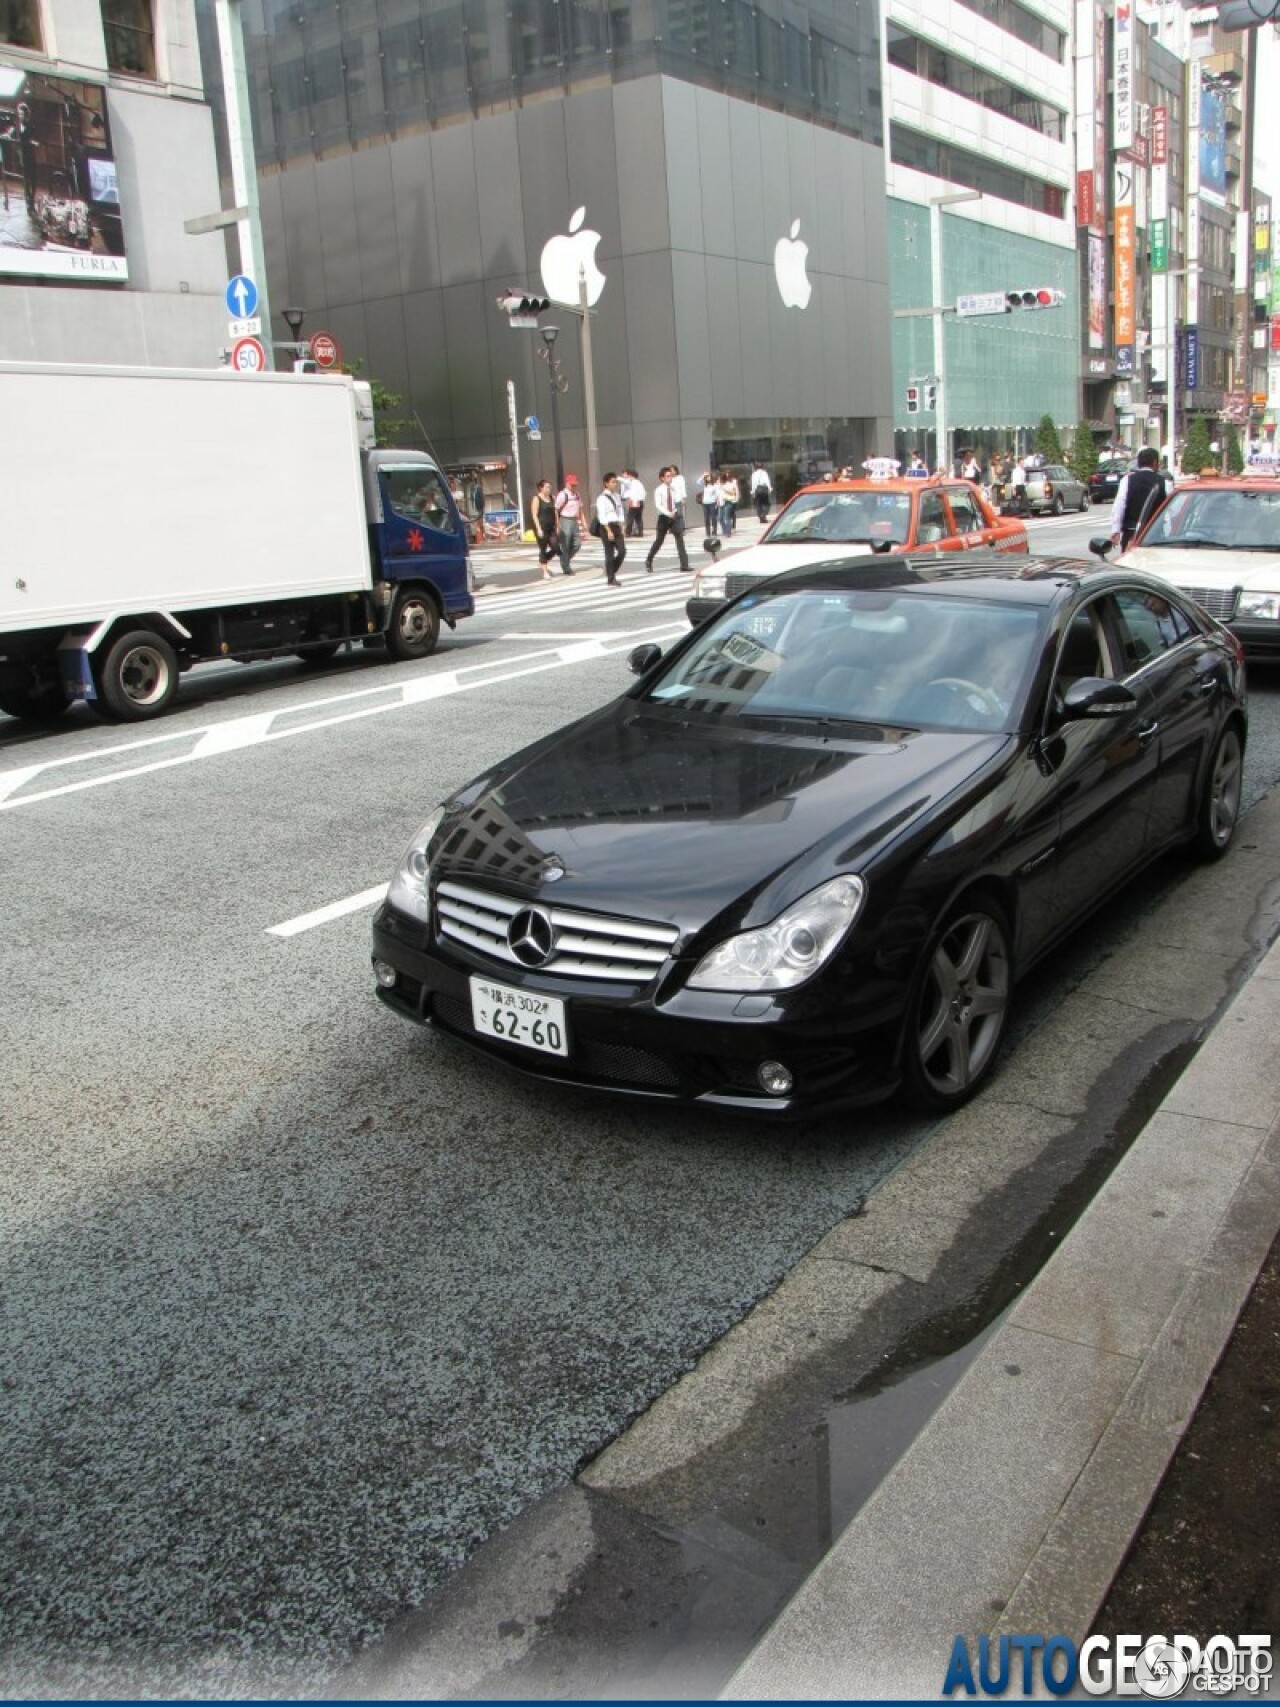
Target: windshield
[
  {"x": 843, "y": 518},
  {"x": 905, "y": 657},
  {"x": 1239, "y": 520}
]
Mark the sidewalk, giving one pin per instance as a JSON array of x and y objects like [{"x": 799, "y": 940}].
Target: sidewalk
[
  {"x": 1012, "y": 1510},
  {"x": 509, "y": 563}
]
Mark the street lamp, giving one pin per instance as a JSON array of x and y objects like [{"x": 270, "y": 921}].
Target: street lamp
[
  {"x": 549, "y": 336},
  {"x": 293, "y": 318},
  {"x": 942, "y": 429}
]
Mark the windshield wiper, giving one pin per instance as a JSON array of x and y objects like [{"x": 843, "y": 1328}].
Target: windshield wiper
[{"x": 1186, "y": 543}]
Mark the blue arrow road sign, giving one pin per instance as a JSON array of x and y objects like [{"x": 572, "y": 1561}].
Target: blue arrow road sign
[
  {"x": 242, "y": 297},
  {"x": 532, "y": 423}
]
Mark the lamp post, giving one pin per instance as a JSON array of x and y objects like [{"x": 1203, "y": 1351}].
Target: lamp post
[
  {"x": 942, "y": 428},
  {"x": 293, "y": 318},
  {"x": 549, "y": 336}
]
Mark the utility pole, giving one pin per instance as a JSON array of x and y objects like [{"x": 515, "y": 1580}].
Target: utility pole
[
  {"x": 588, "y": 389},
  {"x": 942, "y": 425},
  {"x": 244, "y": 167}
]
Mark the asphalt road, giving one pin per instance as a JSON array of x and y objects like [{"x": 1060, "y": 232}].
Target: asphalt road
[{"x": 300, "y": 1305}]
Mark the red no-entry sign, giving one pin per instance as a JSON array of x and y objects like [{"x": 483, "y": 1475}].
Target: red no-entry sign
[{"x": 324, "y": 350}]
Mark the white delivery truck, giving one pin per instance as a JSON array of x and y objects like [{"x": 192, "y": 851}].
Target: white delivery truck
[{"x": 152, "y": 518}]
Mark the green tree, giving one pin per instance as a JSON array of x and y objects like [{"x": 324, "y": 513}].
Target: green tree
[
  {"x": 1084, "y": 453},
  {"x": 391, "y": 427},
  {"x": 1197, "y": 453},
  {"x": 1048, "y": 444},
  {"x": 1235, "y": 456}
]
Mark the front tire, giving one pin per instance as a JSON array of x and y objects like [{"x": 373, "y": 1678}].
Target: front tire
[
  {"x": 44, "y": 703},
  {"x": 415, "y": 625},
  {"x": 957, "y": 1015},
  {"x": 1058, "y": 506},
  {"x": 138, "y": 677},
  {"x": 1218, "y": 811}
]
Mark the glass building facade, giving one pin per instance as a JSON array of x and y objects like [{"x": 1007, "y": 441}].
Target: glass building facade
[{"x": 416, "y": 157}]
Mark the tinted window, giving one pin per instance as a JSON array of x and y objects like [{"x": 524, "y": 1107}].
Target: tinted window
[
  {"x": 845, "y": 518},
  {"x": 1083, "y": 651},
  {"x": 1243, "y": 520},
  {"x": 1149, "y": 625}
]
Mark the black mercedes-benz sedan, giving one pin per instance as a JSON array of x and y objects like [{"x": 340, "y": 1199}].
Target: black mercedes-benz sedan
[{"x": 802, "y": 863}]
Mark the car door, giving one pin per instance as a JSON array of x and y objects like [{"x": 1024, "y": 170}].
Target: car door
[
  {"x": 1102, "y": 770},
  {"x": 1182, "y": 680},
  {"x": 966, "y": 518}
]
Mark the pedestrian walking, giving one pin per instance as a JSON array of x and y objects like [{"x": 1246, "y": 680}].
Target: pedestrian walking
[
  {"x": 916, "y": 469},
  {"x": 611, "y": 513},
  {"x": 761, "y": 491},
  {"x": 728, "y": 503},
  {"x": 634, "y": 493},
  {"x": 1018, "y": 480},
  {"x": 1136, "y": 497},
  {"x": 670, "y": 521},
  {"x": 708, "y": 490},
  {"x": 542, "y": 517},
  {"x": 970, "y": 468},
  {"x": 569, "y": 522}
]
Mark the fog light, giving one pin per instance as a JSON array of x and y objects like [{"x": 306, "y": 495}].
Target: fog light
[
  {"x": 774, "y": 1078},
  {"x": 386, "y": 975}
]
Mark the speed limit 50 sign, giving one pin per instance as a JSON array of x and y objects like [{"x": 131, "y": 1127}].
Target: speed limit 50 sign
[{"x": 248, "y": 356}]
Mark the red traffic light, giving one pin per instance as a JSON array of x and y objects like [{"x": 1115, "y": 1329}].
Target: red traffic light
[{"x": 1041, "y": 296}]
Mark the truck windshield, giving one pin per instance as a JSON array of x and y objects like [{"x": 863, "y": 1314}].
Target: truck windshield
[{"x": 417, "y": 494}]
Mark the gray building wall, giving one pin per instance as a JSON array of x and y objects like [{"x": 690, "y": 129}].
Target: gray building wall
[{"x": 401, "y": 248}]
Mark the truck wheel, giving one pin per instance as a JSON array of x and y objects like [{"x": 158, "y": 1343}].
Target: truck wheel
[
  {"x": 415, "y": 625},
  {"x": 138, "y": 677},
  {"x": 42, "y": 704}
]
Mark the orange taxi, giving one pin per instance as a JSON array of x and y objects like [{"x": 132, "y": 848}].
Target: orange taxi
[{"x": 840, "y": 519}]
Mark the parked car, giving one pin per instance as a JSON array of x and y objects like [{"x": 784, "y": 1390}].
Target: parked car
[
  {"x": 1105, "y": 480},
  {"x": 804, "y": 861},
  {"x": 1053, "y": 488},
  {"x": 856, "y": 518},
  {"x": 1218, "y": 541}
]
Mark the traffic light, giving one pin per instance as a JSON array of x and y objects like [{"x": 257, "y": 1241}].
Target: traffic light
[
  {"x": 518, "y": 304},
  {"x": 913, "y": 400},
  {"x": 1043, "y": 296},
  {"x": 931, "y": 395}
]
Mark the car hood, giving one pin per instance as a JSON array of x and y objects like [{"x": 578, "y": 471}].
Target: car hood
[
  {"x": 640, "y": 812},
  {"x": 765, "y": 560},
  {"x": 1217, "y": 569}
]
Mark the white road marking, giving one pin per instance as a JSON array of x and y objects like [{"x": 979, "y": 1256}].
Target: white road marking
[
  {"x": 256, "y": 729},
  {"x": 322, "y": 915}
]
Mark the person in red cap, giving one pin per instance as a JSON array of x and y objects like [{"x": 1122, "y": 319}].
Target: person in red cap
[{"x": 569, "y": 519}]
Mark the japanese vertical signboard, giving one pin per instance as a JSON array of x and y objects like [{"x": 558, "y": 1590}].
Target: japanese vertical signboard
[
  {"x": 1097, "y": 292},
  {"x": 1159, "y": 245},
  {"x": 1123, "y": 268},
  {"x": 1099, "y": 120},
  {"x": 1160, "y": 136},
  {"x": 1122, "y": 112}
]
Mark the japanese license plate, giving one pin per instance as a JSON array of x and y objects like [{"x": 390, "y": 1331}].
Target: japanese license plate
[{"x": 519, "y": 1016}]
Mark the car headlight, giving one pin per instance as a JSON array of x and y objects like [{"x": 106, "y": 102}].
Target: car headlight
[
  {"x": 408, "y": 891},
  {"x": 709, "y": 584},
  {"x": 1265, "y": 605},
  {"x": 787, "y": 952}
]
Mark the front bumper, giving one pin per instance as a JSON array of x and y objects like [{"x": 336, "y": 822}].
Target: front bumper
[
  {"x": 695, "y": 1047},
  {"x": 1261, "y": 640}
]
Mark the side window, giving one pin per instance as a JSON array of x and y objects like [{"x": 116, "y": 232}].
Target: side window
[
  {"x": 20, "y": 26},
  {"x": 933, "y": 519},
  {"x": 964, "y": 512},
  {"x": 1149, "y": 625},
  {"x": 418, "y": 495},
  {"x": 1083, "y": 651}
]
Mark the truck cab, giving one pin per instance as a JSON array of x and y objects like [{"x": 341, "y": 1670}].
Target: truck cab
[{"x": 418, "y": 548}]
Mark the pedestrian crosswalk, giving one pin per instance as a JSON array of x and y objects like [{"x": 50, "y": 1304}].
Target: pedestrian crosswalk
[{"x": 662, "y": 594}]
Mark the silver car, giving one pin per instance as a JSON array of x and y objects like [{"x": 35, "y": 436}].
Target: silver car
[{"x": 1053, "y": 489}]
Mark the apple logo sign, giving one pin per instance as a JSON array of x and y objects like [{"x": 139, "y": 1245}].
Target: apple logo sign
[
  {"x": 789, "y": 257},
  {"x": 564, "y": 257}
]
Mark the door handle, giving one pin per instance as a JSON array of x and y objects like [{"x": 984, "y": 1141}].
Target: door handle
[
  {"x": 1206, "y": 686},
  {"x": 1145, "y": 732}
]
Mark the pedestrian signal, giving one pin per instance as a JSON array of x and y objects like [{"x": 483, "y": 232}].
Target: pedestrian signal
[
  {"x": 931, "y": 395},
  {"x": 1042, "y": 296},
  {"x": 913, "y": 400}
]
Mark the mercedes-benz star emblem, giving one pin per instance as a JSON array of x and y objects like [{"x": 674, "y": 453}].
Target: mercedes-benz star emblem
[{"x": 531, "y": 936}]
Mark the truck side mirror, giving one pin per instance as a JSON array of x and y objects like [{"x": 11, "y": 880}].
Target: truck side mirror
[{"x": 1100, "y": 545}]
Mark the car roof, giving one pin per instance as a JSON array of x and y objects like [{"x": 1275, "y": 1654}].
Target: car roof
[
  {"x": 896, "y": 483},
  {"x": 1228, "y": 483},
  {"x": 1033, "y": 580}
]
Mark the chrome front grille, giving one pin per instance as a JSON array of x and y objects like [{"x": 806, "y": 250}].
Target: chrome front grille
[
  {"x": 586, "y": 945},
  {"x": 1220, "y": 602},
  {"x": 735, "y": 584}
]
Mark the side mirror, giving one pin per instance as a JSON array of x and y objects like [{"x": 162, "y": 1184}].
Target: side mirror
[
  {"x": 1100, "y": 544},
  {"x": 642, "y": 659},
  {"x": 1096, "y": 696},
  {"x": 711, "y": 545}
]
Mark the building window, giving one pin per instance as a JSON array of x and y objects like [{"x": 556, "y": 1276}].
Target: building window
[
  {"x": 1008, "y": 15},
  {"x": 20, "y": 24},
  {"x": 912, "y": 53},
  {"x": 944, "y": 160},
  {"x": 131, "y": 37}
]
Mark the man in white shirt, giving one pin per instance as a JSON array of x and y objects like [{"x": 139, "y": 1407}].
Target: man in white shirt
[
  {"x": 611, "y": 514},
  {"x": 761, "y": 490},
  {"x": 632, "y": 488},
  {"x": 1018, "y": 480},
  {"x": 670, "y": 518}
]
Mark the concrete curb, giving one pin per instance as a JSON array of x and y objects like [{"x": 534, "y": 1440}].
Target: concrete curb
[{"x": 1013, "y": 1508}]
